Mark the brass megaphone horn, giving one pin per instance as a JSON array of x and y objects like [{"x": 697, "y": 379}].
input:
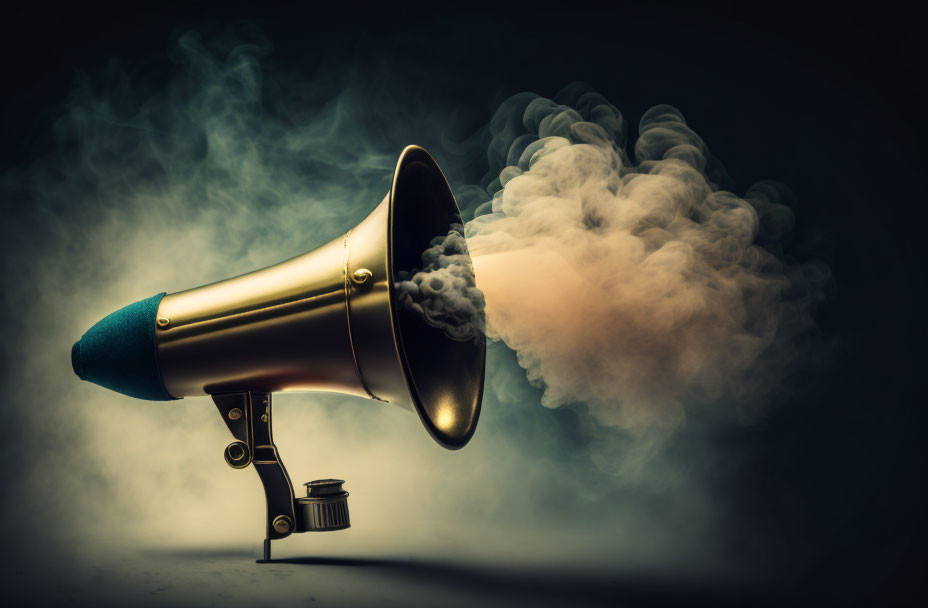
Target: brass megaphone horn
[{"x": 327, "y": 320}]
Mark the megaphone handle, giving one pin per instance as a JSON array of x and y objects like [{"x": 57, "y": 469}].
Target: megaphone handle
[{"x": 248, "y": 416}]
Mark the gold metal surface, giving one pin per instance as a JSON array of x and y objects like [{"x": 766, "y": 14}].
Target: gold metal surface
[
  {"x": 327, "y": 320},
  {"x": 361, "y": 276},
  {"x": 277, "y": 329}
]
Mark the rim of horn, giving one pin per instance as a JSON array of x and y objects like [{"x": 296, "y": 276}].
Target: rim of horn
[{"x": 445, "y": 376}]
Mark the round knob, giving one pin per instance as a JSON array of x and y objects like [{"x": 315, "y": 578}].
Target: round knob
[{"x": 237, "y": 455}]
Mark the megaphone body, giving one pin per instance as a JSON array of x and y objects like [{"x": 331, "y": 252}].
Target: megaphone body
[{"x": 327, "y": 320}]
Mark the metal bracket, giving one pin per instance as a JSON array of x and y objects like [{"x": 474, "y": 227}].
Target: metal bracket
[{"x": 248, "y": 416}]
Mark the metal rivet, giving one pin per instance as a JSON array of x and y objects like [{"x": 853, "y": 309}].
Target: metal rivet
[
  {"x": 282, "y": 524},
  {"x": 361, "y": 276},
  {"x": 235, "y": 413},
  {"x": 264, "y": 417},
  {"x": 163, "y": 322}
]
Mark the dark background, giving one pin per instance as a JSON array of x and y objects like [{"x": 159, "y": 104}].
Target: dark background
[{"x": 829, "y": 94}]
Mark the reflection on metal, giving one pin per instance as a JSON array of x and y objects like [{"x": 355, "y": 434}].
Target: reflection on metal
[
  {"x": 361, "y": 276},
  {"x": 327, "y": 320}
]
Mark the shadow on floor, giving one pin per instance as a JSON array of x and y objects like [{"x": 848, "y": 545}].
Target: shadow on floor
[
  {"x": 198, "y": 553},
  {"x": 521, "y": 585}
]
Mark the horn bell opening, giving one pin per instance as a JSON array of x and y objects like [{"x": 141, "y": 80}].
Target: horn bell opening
[{"x": 445, "y": 375}]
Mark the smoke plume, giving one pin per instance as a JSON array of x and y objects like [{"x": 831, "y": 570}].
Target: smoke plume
[
  {"x": 444, "y": 291},
  {"x": 634, "y": 287}
]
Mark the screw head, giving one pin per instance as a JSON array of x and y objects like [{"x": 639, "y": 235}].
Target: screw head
[
  {"x": 361, "y": 276},
  {"x": 163, "y": 322},
  {"x": 282, "y": 524},
  {"x": 235, "y": 413}
]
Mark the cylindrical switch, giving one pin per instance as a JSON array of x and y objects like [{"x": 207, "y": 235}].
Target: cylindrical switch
[{"x": 324, "y": 508}]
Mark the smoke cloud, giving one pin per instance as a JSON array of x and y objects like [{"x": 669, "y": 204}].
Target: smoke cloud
[
  {"x": 634, "y": 287},
  {"x": 444, "y": 291}
]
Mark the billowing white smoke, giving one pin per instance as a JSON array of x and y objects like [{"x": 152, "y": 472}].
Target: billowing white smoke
[
  {"x": 444, "y": 290},
  {"x": 634, "y": 288}
]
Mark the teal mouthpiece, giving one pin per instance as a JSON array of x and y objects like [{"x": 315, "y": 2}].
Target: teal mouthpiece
[{"x": 119, "y": 352}]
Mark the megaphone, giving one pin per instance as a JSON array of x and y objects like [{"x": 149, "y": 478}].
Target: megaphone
[{"x": 327, "y": 320}]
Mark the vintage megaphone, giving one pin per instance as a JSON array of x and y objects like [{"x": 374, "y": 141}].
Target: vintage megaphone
[{"x": 327, "y": 320}]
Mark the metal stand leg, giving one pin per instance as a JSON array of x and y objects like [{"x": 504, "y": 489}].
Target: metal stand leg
[{"x": 248, "y": 416}]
